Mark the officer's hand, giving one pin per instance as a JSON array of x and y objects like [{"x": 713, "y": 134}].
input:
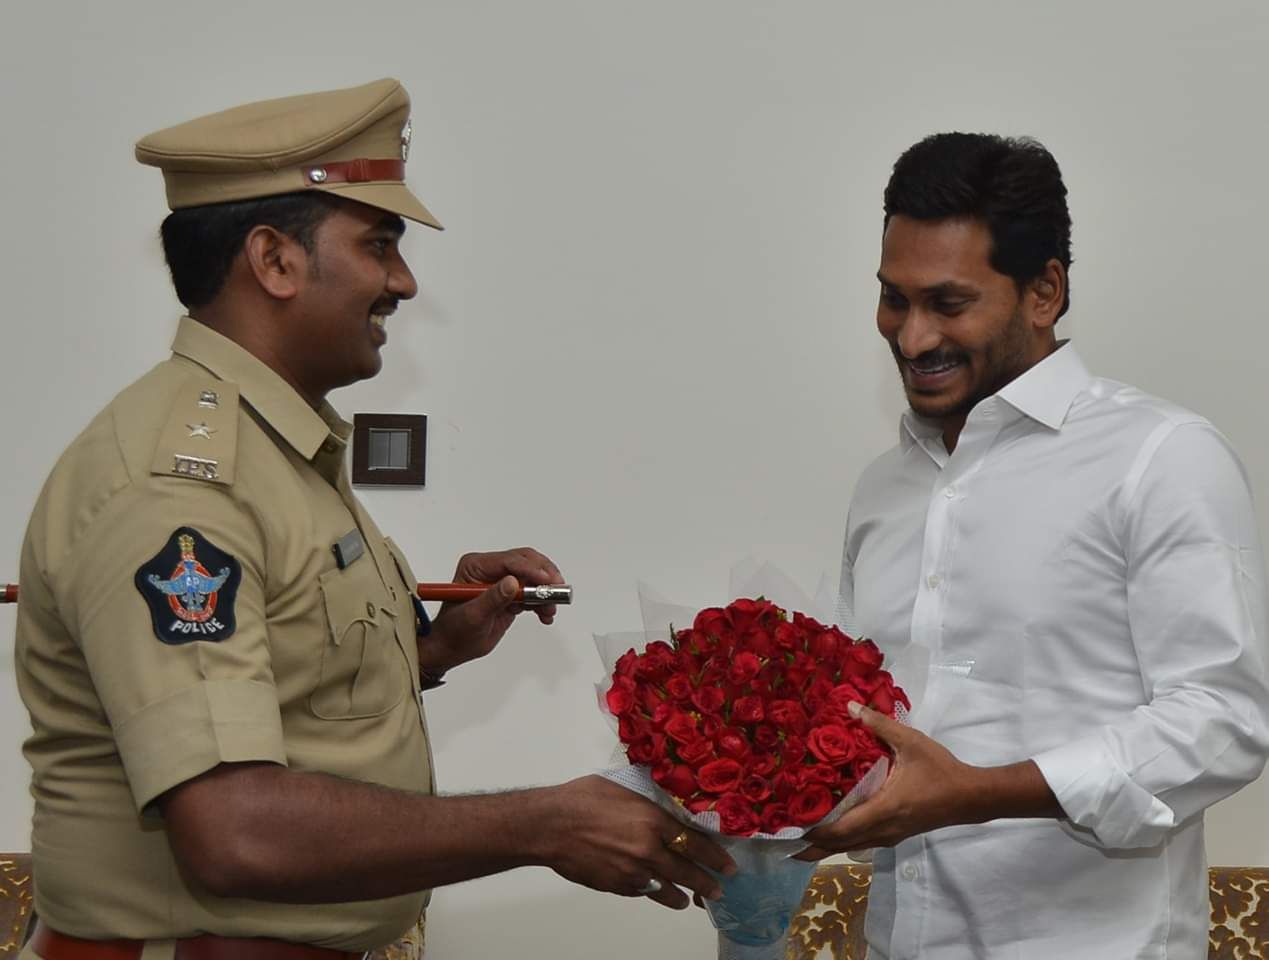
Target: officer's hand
[
  {"x": 609, "y": 838},
  {"x": 471, "y": 629}
]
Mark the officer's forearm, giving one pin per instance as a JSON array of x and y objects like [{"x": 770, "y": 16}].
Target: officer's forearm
[{"x": 264, "y": 832}]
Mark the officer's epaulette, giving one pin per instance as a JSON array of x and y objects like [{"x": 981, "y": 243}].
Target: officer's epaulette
[{"x": 200, "y": 439}]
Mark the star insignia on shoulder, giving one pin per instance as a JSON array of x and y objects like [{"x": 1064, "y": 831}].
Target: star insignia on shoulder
[{"x": 200, "y": 430}]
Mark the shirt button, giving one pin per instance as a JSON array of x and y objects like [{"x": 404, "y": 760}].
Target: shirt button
[
  {"x": 909, "y": 871},
  {"x": 949, "y": 492},
  {"x": 370, "y": 609},
  {"x": 933, "y": 580},
  {"x": 330, "y": 446}
]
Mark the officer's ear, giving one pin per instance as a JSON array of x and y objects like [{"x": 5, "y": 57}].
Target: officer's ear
[{"x": 277, "y": 261}]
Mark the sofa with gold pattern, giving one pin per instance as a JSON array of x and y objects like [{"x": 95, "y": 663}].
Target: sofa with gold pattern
[{"x": 829, "y": 925}]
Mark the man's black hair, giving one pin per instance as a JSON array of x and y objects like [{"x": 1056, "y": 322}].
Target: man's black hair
[
  {"x": 1013, "y": 185},
  {"x": 201, "y": 243}
]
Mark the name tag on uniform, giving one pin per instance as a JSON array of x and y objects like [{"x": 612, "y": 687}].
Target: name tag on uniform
[{"x": 348, "y": 548}]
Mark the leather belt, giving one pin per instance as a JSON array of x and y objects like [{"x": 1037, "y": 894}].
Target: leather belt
[{"x": 51, "y": 945}]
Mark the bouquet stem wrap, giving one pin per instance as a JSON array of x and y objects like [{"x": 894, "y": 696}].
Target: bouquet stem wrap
[{"x": 759, "y": 902}]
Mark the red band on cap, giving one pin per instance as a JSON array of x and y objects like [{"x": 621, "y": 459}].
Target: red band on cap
[{"x": 361, "y": 170}]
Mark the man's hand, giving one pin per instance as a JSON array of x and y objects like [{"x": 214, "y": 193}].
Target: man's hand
[
  {"x": 611, "y": 839},
  {"x": 929, "y": 788},
  {"x": 471, "y": 629}
]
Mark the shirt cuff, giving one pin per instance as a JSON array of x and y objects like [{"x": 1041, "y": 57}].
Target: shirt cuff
[
  {"x": 193, "y": 730},
  {"x": 1096, "y": 793}
]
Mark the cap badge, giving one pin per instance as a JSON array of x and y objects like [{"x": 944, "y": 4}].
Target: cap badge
[{"x": 406, "y": 132}]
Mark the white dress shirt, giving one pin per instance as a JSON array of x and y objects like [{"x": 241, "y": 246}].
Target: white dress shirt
[{"x": 1086, "y": 573}]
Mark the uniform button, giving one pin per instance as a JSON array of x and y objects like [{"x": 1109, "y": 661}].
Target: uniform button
[
  {"x": 330, "y": 446},
  {"x": 370, "y": 609},
  {"x": 933, "y": 580},
  {"x": 909, "y": 871},
  {"x": 949, "y": 492}
]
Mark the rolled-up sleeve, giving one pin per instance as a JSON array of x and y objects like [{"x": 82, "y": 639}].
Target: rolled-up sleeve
[
  {"x": 178, "y": 705},
  {"x": 1196, "y": 600}
]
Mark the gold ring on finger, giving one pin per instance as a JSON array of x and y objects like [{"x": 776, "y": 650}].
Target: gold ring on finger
[{"x": 679, "y": 843}]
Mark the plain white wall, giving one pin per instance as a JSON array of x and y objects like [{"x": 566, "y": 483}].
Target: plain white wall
[{"x": 645, "y": 343}]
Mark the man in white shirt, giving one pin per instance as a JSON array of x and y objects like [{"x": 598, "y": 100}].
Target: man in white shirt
[{"x": 1081, "y": 561}]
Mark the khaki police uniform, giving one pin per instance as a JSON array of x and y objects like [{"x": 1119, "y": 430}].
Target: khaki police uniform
[{"x": 182, "y": 605}]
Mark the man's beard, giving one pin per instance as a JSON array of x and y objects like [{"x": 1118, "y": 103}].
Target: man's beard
[{"x": 1005, "y": 358}]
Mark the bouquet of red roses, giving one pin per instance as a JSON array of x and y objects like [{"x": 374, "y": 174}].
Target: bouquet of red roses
[
  {"x": 738, "y": 725},
  {"x": 745, "y": 714}
]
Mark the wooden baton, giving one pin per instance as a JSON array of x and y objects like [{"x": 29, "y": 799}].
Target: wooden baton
[{"x": 531, "y": 596}]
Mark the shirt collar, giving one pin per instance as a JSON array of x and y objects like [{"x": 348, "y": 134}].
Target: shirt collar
[
  {"x": 1046, "y": 391},
  {"x": 273, "y": 398},
  {"x": 1043, "y": 392}
]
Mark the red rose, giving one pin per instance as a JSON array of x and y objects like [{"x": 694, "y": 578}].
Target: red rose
[
  {"x": 682, "y": 728},
  {"x": 775, "y": 817},
  {"x": 632, "y": 727},
  {"x": 784, "y": 786},
  {"x": 755, "y": 788},
  {"x": 677, "y": 779},
  {"x": 759, "y": 642},
  {"x": 699, "y": 804},
  {"x": 736, "y": 815},
  {"x": 763, "y": 764},
  {"x": 788, "y": 637},
  {"x": 732, "y": 743},
  {"x": 663, "y": 714},
  {"x": 828, "y": 715},
  {"x": 696, "y": 752},
  {"x": 809, "y": 624},
  {"x": 709, "y": 699},
  {"x": 810, "y": 805},
  {"x": 743, "y": 614},
  {"x": 765, "y": 736},
  {"x": 817, "y": 773},
  {"x": 748, "y": 710},
  {"x": 621, "y": 696},
  {"x": 887, "y": 695},
  {"x": 833, "y": 744},
  {"x": 649, "y": 698},
  {"x": 794, "y": 750},
  {"x": 648, "y": 750},
  {"x": 788, "y": 715},
  {"x": 744, "y": 667},
  {"x": 866, "y": 742},
  {"x": 719, "y": 776},
  {"x": 711, "y": 727},
  {"x": 626, "y": 664},
  {"x": 823, "y": 645},
  {"x": 820, "y": 689},
  {"x": 864, "y": 658},
  {"x": 843, "y": 695},
  {"x": 679, "y": 686},
  {"x": 710, "y": 622}
]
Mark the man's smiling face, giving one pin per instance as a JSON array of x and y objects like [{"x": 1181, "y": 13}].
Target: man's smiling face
[{"x": 959, "y": 330}]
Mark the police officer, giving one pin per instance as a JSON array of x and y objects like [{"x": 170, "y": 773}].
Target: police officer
[{"x": 219, "y": 650}]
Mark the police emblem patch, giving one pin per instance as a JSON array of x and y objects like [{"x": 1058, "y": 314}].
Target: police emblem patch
[{"x": 187, "y": 601}]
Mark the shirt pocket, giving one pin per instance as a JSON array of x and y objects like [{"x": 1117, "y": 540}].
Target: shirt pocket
[{"x": 362, "y": 671}]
